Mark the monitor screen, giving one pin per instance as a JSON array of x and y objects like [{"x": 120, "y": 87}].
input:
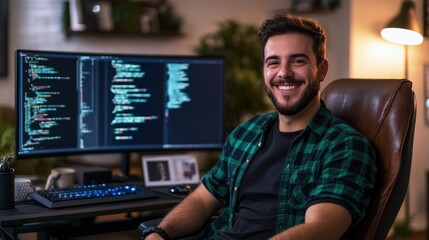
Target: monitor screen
[{"x": 78, "y": 103}]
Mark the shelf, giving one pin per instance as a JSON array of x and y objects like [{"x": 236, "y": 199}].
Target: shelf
[
  {"x": 166, "y": 34},
  {"x": 151, "y": 18}
]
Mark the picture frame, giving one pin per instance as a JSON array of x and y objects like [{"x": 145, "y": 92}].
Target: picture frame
[
  {"x": 301, "y": 6},
  {"x": 4, "y": 5},
  {"x": 168, "y": 170},
  {"x": 426, "y": 18},
  {"x": 309, "y": 6}
]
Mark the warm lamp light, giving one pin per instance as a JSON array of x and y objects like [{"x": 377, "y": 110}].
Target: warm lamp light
[
  {"x": 402, "y": 36},
  {"x": 404, "y": 29}
]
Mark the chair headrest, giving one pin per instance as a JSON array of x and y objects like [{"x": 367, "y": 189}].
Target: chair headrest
[{"x": 370, "y": 106}]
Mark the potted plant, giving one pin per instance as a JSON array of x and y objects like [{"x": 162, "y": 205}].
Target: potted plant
[
  {"x": 239, "y": 44},
  {"x": 244, "y": 91},
  {"x": 7, "y": 172},
  {"x": 7, "y": 136}
]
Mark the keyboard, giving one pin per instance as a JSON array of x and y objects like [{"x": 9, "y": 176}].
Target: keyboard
[{"x": 90, "y": 194}]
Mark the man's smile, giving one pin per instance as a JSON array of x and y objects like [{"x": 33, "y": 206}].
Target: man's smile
[{"x": 287, "y": 86}]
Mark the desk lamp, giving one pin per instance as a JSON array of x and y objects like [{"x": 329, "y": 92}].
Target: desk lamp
[{"x": 403, "y": 29}]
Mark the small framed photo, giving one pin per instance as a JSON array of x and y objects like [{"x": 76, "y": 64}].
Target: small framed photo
[{"x": 170, "y": 170}]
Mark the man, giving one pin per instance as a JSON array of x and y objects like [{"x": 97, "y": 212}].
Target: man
[{"x": 298, "y": 173}]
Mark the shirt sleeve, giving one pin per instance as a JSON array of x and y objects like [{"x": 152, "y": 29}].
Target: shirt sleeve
[
  {"x": 216, "y": 180},
  {"x": 348, "y": 176}
]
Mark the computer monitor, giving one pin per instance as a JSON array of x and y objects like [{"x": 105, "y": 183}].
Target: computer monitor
[{"x": 77, "y": 103}]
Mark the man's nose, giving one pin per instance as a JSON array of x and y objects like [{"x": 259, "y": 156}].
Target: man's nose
[{"x": 285, "y": 70}]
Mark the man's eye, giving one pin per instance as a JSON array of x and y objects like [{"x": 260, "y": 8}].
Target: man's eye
[
  {"x": 272, "y": 63},
  {"x": 299, "y": 62}
]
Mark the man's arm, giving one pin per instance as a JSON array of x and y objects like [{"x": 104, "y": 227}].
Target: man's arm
[
  {"x": 322, "y": 221},
  {"x": 190, "y": 215}
]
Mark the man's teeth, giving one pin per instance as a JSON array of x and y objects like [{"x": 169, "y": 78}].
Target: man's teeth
[{"x": 289, "y": 87}]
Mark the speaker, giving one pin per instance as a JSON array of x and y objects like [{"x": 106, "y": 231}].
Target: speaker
[{"x": 23, "y": 187}]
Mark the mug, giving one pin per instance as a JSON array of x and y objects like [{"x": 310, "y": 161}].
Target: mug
[{"x": 61, "y": 178}]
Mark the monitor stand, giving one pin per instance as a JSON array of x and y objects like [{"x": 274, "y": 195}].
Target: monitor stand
[
  {"x": 124, "y": 175},
  {"x": 125, "y": 163}
]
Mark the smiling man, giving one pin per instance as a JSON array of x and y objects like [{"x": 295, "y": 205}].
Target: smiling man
[{"x": 297, "y": 173}]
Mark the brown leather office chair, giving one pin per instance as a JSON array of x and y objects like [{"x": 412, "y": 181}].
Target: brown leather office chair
[{"x": 384, "y": 111}]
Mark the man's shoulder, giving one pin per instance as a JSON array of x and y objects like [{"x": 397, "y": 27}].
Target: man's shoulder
[
  {"x": 332, "y": 123},
  {"x": 249, "y": 129},
  {"x": 345, "y": 127}
]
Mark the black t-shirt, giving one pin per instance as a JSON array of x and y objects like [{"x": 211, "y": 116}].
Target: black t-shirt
[{"x": 256, "y": 213}]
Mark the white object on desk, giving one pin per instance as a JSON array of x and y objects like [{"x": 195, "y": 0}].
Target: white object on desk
[
  {"x": 23, "y": 187},
  {"x": 170, "y": 170},
  {"x": 62, "y": 177}
]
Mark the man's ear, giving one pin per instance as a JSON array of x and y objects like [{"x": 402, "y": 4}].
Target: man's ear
[{"x": 323, "y": 70}]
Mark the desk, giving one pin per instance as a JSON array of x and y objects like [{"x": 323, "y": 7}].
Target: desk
[{"x": 33, "y": 217}]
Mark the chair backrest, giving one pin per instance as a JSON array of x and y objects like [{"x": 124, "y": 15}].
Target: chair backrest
[{"x": 384, "y": 111}]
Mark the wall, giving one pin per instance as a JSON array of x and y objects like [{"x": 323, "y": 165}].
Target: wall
[
  {"x": 36, "y": 24},
  {"x": 373, "y": 57}
]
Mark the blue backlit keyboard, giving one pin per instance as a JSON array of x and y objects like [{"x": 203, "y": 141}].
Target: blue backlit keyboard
[{"x": 90, "y": 194}]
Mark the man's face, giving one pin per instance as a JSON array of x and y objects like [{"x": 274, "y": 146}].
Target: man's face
[{"x": 292, "y": 76}]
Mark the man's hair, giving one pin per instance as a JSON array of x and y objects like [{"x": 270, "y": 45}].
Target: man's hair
[{"x": 282, "y": 23}]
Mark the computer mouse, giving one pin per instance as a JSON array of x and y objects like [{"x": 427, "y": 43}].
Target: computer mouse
[{"x": 181, "y": 189}]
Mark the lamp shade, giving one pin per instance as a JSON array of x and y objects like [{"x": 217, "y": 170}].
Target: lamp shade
[{"x": 404, "y": 29}]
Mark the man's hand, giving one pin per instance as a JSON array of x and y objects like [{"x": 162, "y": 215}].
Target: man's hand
[{"x": 153, "y": 236}]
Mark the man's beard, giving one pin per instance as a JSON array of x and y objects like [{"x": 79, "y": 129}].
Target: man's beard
[{"x": 288, "y": 109}]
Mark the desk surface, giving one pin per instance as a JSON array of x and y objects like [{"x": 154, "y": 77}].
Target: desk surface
[{"x": 33, "y": 212}]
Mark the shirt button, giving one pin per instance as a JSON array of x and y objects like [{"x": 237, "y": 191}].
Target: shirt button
[
  {"x": 247, "y": 161},
  {"x": 235, "y": 189},
  {"x": 259, "y": 144}
]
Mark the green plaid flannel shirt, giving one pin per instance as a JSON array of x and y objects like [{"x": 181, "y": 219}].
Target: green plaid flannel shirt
[{"x": 328, "y": 162}]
